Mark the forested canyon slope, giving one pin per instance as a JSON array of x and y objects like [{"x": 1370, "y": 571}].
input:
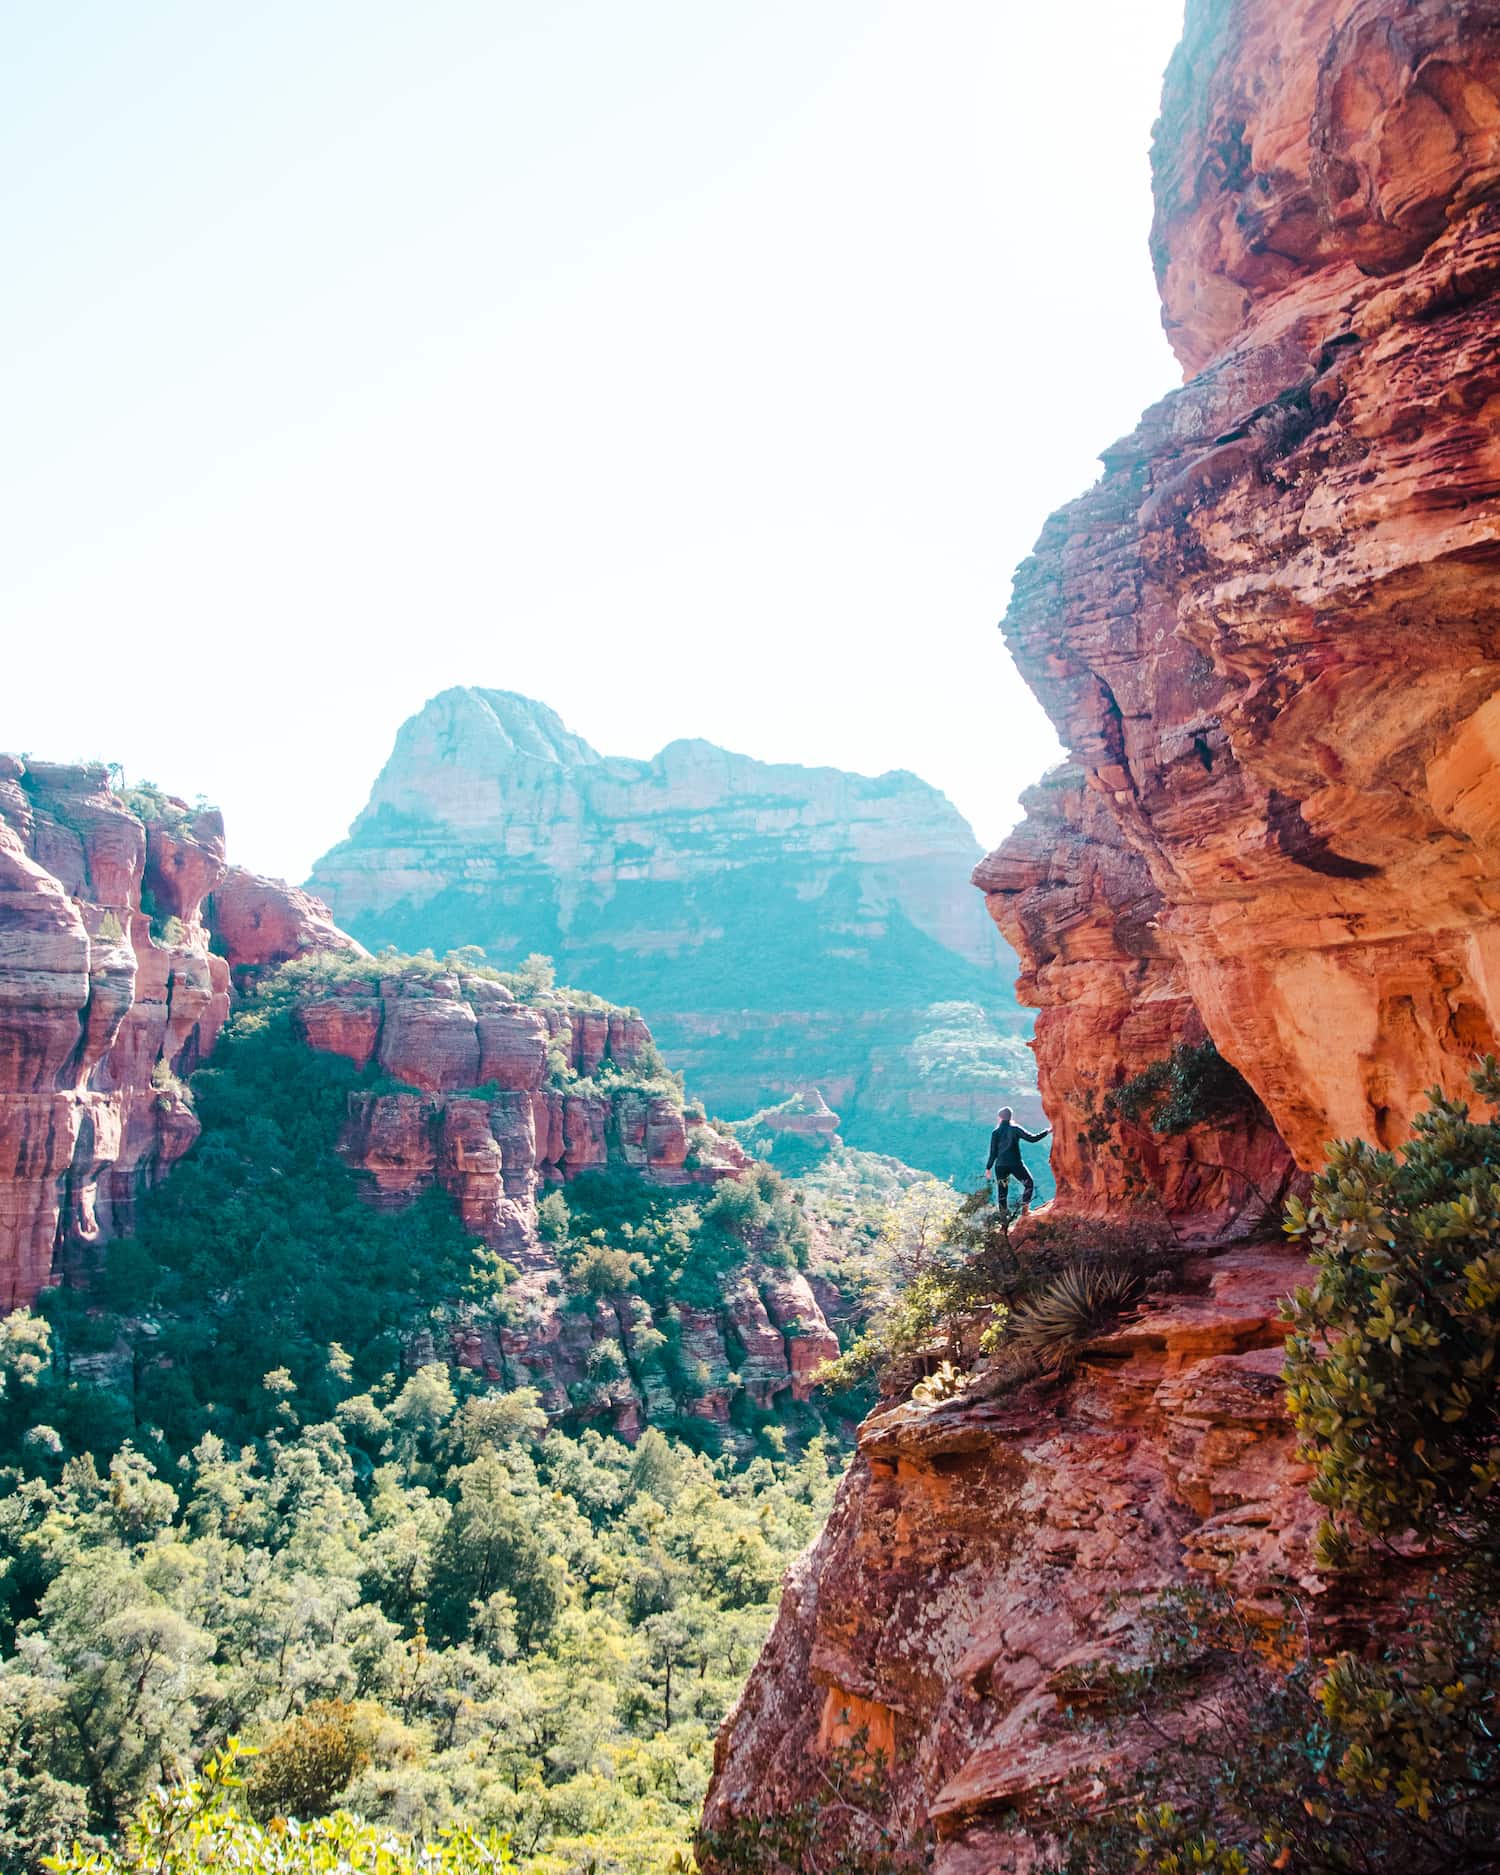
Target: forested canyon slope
[
  {"x": 785, "y": 927},
  {"x": 1268, "y": 639},
  {"x": 129, "y": 938},
  {"x": 396, "y": 1369}
]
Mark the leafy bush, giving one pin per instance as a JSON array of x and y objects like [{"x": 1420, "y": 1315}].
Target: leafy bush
[
  {"x": 552, "y": 1218},
  {"x": 962, "y": 1288},
  {"x": 1193, "y": 1086},
  {"x": 153, "y": 805},
  {"x": 308, "y": 1760},
  {"x": 184, "y": 1828},
  {"x": 594, "y": 1269},
  {"x": 1391, "y": 1368},
  {"x": 164, "y": 1081}
]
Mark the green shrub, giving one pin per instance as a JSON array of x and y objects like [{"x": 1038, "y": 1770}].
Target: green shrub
[
  {"x": 1392, "y": 1362},
  {"x": 183, "y": 1829},
  {"x": 1193, "y": 1086},
  {"x": 1380, "y": 1756},
  {"x": 598, "y": 1270},
  {"x": 154, "y": 805},
  {"x": 552, "y": 1218},
  {"x": 308, "y": 1759}
]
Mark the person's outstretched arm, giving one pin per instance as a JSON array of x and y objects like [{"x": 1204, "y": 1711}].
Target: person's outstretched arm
[{"x": 1032, "y": 1138}]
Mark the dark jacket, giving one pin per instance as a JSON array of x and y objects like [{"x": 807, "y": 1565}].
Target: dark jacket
[{"x": 1005, "y": 1147}]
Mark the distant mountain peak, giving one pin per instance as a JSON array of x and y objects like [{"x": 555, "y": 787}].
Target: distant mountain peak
[
  {"x": 787, "y": 927},
  {"x": 500, "y": 723}
]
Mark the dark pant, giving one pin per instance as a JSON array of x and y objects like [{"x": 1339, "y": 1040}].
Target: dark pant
[{"x": 1003, "y": 1175}]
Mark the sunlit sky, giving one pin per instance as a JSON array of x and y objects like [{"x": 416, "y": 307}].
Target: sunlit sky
[{"x": 701, "y": 367}]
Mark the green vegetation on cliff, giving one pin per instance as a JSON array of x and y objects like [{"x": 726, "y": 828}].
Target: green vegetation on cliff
[{"x": 764, "y": 983}]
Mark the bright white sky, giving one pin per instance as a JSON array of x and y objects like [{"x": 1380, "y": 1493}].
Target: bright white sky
[{"x": 701, "y": 367}]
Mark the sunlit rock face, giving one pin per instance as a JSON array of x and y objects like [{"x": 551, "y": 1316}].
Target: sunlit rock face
[
  {"x": 115, "y": 979},
  {"x": 478, "y": 1109},
  {"x": 262, "y": 923},
  {"x": 785, "y": 926},
  {"x": 102, "y": 1005},
  {"x": 1079, "y": 904},
  {"x": 1268, "y": 635},
  {"x": 974, "y": 1550},
  {"x": 124, "y": 939},
  {"x": 1268, "y": 640}
]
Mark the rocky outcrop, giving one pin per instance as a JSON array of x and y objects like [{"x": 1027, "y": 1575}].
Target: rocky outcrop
[
  {"x": 784, "y": 925},
  {"x": 114, "y": 984},
  {"x": 124, "y": 939},
  {"x": 101, "y": 1007},
  {"x": 496, "y": 1101},
  {"x": 983, "y": 1550},
  {"x": 806, "y": 1115},
  {"x": 500, "y": 1099},
  {"x": 1079, "y": 904},
  {"x": 262, "y": 923},
  {"x": 1267, "y": 636}
]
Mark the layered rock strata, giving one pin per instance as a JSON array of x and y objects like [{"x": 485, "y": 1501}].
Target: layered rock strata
[
  {"x": 784, "y": 925},
  {"x": 1268, "y": 635},
  {"x": 114, "y": 984},
  {"x": 985, "y": 1551},
  {"x": 502, "y": 1100},
  {"x": 1268, "y": 640},
  {"x": 261, "y": 923},
  {"x": 102, "y": 1007},
  {"x": 483, "y": 1110},
  {"x": 124, "y": 938}
]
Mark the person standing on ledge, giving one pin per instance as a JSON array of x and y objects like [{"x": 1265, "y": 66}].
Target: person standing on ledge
[{"x": 1005, "y": 1160}]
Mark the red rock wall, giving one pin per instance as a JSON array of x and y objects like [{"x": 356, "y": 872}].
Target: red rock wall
[
  {"x": 95, "y": 998},
  {"x": 103, "y": 1004},
  {"x": 261, "y": 923},
  {"x": 482, "y": 1114},
  {"x": 974, "y": 1549},
  {"x": 1268, "y": 635},
  {"x": 1268, "y": 638},
  {"x": 1078, "y": 903},
  {"x": 485, "y": 1116},
  {"x": 108, "y": 979}
]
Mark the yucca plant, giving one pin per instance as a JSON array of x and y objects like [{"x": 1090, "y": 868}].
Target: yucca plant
[{"x": 1074, "y": 1307}]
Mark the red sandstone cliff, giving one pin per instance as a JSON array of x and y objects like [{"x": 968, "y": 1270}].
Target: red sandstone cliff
[
  {"x": 124, "y": 938},
  {"x": 1268, "y": 639},
  {"x": 971, "y": 1556},
  {"x": 109, "y": 992},
  {"x": 484, "y": 1115},
  {"x": 1267, "y": 636}
]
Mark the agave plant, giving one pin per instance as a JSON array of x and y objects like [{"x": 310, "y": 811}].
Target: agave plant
[{"x": 1074, "y": 1307}]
